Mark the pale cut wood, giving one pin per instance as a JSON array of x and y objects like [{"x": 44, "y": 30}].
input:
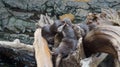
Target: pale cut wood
[
  {"x": 42, "y": 52},
  {"x": 17, "y": 45}
]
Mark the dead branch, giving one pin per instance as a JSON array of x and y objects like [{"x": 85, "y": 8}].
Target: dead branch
[
  {"x": 16, "y": 52},
  {"x": 17, "y": 45},
  {"x": 93, "y": 61},
  {"x": 44, "y": 20},
  {"x": 42, "y": 52}
]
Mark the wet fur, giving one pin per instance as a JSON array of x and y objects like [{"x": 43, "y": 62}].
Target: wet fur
[
  {"x": 68, "y": 44},
  {"x": 49, "y": 31}
]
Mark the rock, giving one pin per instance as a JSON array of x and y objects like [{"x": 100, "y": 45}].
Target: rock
[
  {"x": 82, "y": 5},
  {"x": 3, "y": 13},
  {"x": 49, "y": 10},
  {"x": 113, "y": 1},
  {"x": 1, "y": 28},
  {"x": 26, "y": 4},
  {"x": 16, "y": 27},
  {"x": 20, "y": 16},
  {"x": 81, "y": 12},
  {"x": 11, "y": 37},
  {"x": 28, "y": 11}
]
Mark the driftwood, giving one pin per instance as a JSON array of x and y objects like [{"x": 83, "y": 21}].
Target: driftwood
[
  {"x": 10, "y": 48},
  {"x": 42, "y": 52},
  {"x": 16, "y": 52},
  {"x": 93, "y": 61},
  {"x": 104, "y": 33},
  {"x": 17, "y": 45}
]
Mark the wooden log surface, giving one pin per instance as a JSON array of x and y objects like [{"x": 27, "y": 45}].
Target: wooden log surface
[
  {"x": 17, "y": 53},
  {"x": 42, "y": 52},
  {"x": 93, "y": 61},
  {"x": 17, "y": 45}
]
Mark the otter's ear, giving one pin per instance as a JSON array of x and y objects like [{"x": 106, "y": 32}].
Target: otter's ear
[{"x": 67, "y": 21}]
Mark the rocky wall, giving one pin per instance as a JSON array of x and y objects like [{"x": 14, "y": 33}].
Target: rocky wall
[{"x": 18, "y": 17}]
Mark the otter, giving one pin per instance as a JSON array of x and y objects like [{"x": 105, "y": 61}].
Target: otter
[
  {"x": 55, "y": 25},
  {"x": 48, "y": 35},
  {"x": 49, "y": 31},
  {"x": 68, "y": 43}
]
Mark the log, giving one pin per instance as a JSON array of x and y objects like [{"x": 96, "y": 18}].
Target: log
[
  {"x": 25, "y": 54},
  {"x": 93, "y": 61},
  {"x": 17, "y": 53},
  {"x": 42, "y": 52},
  {"x": 17, "y": 45}
]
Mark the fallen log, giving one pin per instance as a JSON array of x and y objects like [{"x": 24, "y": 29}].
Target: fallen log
[
  {"x": 93, "y": 61},
  {"x": 17, "y": 53},
  {"x": 17, "y": 45},
  {"x": 23, "y": 54}
]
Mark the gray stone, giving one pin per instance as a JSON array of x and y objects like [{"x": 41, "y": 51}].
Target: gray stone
[
  {"x": 113, "y": 0},
  {"x": 101, "y": 1},
  {"x": 25, "y": 4},
  {"x": 1, "y": 28},
  {"x": 22, "y": 15},
  {"x": 19, "y": 26},
  {"x": 82, "y": 5},
  {"x": 93, "y": 1},
  {"x": 49, "y": 10},
  {"x": 50, "y": 3},
  {"x": 4, "y": 22},
  {"x": 82, "y": 12},
  {"x": 19, "y": 16},
  {"x": 3, "y": 13},
  {"x": 23, "y": 38},
  {"x": 17, "y": 3}
]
